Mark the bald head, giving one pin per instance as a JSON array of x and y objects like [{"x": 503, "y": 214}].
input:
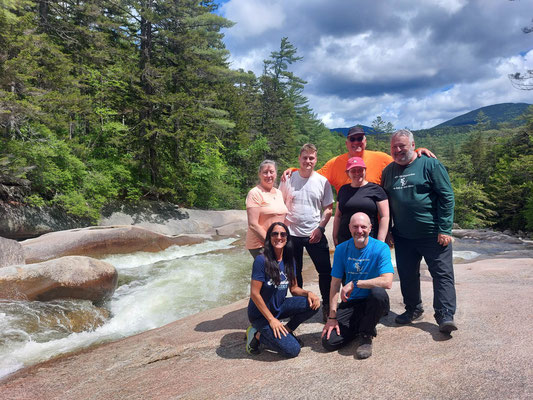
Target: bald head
[{"x": 360, "y": 228}]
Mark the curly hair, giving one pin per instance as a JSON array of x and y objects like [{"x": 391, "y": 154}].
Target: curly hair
[{"x": 271, "y": 264}]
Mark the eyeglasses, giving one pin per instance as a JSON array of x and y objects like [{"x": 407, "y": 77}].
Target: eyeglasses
[
  {"x": 281, "y": 234},
  {"x": 356, "y": 138}
]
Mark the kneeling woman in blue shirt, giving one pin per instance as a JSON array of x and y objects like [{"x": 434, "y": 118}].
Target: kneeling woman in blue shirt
[{"x": 272, "y": 274}]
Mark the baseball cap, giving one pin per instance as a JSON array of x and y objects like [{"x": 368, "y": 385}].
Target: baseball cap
[{"x": 355, "y": 162}]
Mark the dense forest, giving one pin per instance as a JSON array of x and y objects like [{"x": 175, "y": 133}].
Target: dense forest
[{"x": 135, "y": 99}]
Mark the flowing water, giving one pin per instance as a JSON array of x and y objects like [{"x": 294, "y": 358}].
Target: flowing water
[{"x": 155, "y": 289}]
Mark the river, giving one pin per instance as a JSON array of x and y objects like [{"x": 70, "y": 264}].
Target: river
[{"x": 155, "y": 289}]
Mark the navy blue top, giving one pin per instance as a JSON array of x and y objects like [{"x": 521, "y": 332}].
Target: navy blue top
[{"x": 273, "y": 295}]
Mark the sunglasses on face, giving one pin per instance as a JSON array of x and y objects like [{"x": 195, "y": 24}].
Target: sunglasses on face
[
  {"x": 356, "y": 138},
  {"x": 280, "y": 234}
]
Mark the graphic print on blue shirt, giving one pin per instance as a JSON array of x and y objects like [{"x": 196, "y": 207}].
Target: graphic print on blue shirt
[
  {"x": 272, "y": 295},
  {"x": 361, "y": 264}
]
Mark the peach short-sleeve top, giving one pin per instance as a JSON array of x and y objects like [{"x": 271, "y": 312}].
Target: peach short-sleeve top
[{"x": 273, "y": 209}]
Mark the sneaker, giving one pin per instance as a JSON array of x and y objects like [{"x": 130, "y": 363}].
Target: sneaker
[
  {"x": 365, "y": 348},
  {"x": 300, "y": 341},
  {"x": 252, "y": 344},
  {"x": 447, "y": 326},
  {"x": 409, "y": 316}
]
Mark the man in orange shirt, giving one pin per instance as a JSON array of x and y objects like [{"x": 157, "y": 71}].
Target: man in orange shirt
[{"x": 335, "y": 169}]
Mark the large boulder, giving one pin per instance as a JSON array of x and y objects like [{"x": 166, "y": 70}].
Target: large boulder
[
  {"x": 67, "y": 277},
  {"x": 169, "y": 219},
  {"x": 18, "y": 221},
  {"x": 98, "y": 241},
  {"x": 11, "y": 252}
]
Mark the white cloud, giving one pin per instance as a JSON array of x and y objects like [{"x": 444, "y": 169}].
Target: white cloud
[
  {"x": 416, "y": 64},
  {"x": 254, "y": 17}
]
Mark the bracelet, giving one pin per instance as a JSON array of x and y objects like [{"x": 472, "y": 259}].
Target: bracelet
[
  {"x": 332, "y": 317},
  {"x": 321, "y": 229}
]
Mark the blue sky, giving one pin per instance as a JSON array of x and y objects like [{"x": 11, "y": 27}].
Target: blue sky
[{"x": 416, "y": 63}]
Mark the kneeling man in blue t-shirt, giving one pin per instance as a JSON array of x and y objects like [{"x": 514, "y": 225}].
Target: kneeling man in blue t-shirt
[{"x": 366, "y": 262}]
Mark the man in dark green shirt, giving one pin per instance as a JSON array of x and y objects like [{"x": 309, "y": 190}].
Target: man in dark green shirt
[{"x": 421, "y": 201}]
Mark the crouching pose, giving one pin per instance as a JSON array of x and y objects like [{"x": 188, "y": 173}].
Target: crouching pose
[
  {"x": 272, "y": 274},
  {"x": 366, "y": 262}
]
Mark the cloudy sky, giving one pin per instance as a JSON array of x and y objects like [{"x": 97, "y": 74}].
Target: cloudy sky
[{"x": 416, "y": 63}]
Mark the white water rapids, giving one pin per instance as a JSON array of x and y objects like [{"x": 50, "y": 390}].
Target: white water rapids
[{"x": 154, "y": 289}]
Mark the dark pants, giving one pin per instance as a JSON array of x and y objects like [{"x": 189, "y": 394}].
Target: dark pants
[
  {"x": 298, "y": 310},
  {"x": 359, "y": 316},
  {"x": 409, "y": 253},
  {"x": 319, "y": 253}
]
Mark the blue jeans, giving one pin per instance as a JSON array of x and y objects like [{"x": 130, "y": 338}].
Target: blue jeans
[
  {"x": 298, "y": 310},
  {"x": 319, "y": 253},
  {"x": 409, "y": 253}
]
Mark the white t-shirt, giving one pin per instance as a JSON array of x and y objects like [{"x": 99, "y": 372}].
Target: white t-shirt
[{"x": 305, "y": 198}]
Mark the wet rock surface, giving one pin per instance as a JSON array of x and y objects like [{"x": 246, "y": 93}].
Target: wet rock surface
[
  {"x": 98, "y": 241},
  {"x": 67, "y": 277},
  {"x": 203, "y": 356},
  {"x": 11, "y": 252}
]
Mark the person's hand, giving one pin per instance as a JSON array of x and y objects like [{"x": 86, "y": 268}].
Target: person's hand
[
  {"x": 330, "y": 325},
  {"x": 278, "y": 328},
  {"x": 346, "y": 291},
  {"x": 314, "y": 301},
  {"x": 425, "y": 152},
  {"x": 444, "y": 240},
  {"x": 286, "y": 174},
  {"x": 316, "y": 235}
]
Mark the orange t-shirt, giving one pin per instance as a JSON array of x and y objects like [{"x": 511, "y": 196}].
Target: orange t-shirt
[
  {"x": 335, "y": 169},
  {"x": 273, "y": 209}
]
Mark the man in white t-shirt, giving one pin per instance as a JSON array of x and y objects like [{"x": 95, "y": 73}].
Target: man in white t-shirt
[{"x": 309, "y": 199}]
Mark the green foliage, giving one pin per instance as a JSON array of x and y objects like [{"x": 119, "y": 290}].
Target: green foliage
[
  {"x": 103, "y": 101},
  {"x": 472, "y": 205}
]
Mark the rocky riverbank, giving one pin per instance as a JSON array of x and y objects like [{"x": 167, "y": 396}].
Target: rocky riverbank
[{"x": 202, "y": 356}]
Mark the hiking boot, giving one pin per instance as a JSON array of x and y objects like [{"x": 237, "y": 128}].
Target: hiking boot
[
  {"x": 447, "y": 326},
  {"x": 365, "y": 348},
  {"x": 252, "y": 344},
  {"x": 408, "y": 317}
]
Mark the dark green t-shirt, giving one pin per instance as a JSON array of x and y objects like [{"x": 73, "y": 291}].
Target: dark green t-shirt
[{"x": 420, "y": 197}]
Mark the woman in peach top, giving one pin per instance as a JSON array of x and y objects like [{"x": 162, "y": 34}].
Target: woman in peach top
[{"x": 264, "y": 206}]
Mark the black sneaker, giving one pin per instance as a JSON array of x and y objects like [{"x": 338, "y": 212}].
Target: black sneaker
[
  {"x": 365, "y": 348},
  {"x": 408, "y": 317},
  {"x": 252, "y": 344},
  {"x": 447, "y": 326}
]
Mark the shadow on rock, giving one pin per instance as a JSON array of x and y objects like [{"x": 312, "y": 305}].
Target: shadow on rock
[
  {"x": 432, "y": 329},
  {"x": 233, "y": 346},
  {"x": 231, "y": 320}
]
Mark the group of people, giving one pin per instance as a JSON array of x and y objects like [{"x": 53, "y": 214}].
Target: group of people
[{"x": 405, "y": 199}]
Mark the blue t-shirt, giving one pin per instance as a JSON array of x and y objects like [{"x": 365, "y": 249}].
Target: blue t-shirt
[
  {"x": 273, "y": 295},
  {"x": 367, "y": 263}
]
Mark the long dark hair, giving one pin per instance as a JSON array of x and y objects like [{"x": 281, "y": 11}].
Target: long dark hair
[{"x": 271, "y": 264}]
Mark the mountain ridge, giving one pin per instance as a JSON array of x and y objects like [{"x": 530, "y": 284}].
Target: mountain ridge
[{"x": 495, "y": 113}]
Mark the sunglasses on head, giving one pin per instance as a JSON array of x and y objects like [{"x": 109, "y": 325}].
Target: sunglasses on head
[
  {"x": 281, "y": 234},
  {"x": 356, "y": 138}
]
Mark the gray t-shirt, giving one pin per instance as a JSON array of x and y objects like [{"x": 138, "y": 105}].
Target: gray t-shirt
[{"x": 305, "y": 198}]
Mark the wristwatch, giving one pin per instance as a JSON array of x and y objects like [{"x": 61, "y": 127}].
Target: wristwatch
[{"x": 322, "y": 229}]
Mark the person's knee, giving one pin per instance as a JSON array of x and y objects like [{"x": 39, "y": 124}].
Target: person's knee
[
  {"x": 378, "y": 294},
  {"x": 292, "y": 351},
  {"x": 327, "y": 345}
]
